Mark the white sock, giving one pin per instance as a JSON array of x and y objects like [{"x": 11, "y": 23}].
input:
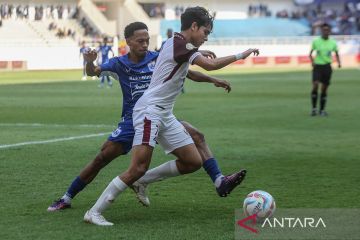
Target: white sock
[
  {"x": 166, "y": 170},
  {"x": 66, "y": 198},
  {"x": 115, "y": 187},
  {"x": 218, "y": 180}
]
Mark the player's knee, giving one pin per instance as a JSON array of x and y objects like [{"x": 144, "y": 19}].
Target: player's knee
[
  {"x": 194, "y": 166},
  {"x": 198, "y": 165}
]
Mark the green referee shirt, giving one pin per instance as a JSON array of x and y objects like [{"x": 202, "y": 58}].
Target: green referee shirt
[{"x": 323, "y": 50}]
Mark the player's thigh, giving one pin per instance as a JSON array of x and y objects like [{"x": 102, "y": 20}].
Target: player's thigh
[
  {"x": 196, "y": 135},
  {"x": 111, "y": 150},
  {"x": 188, "y": 155},
  {"x": 173, "y": 135}
]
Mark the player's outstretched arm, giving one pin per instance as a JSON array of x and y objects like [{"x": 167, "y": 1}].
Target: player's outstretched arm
[
  {"x": 91, "y": 69},
  {"x": 201, "y": 77},
  {"x": 218, "y": 63}
]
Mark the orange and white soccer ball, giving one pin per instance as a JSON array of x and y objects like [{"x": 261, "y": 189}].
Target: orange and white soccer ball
[{"x": 260, "y": 203}]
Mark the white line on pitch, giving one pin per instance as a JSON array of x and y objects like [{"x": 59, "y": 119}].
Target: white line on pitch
[
  {"x": 53, "y": 125},
  {"x": 52, "y": 140}
]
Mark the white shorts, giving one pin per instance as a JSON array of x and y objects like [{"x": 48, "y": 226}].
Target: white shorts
[{"x": 151, "y": 128}]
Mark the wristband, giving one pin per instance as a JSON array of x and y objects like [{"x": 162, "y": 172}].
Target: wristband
[{"x": 239, "y": 56}]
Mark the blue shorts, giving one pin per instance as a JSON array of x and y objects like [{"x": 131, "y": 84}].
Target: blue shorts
[{"x": 124, "y": 134}]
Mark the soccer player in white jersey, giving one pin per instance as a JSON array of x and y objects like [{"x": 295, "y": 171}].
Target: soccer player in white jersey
[{"x": 153, "y": 117}]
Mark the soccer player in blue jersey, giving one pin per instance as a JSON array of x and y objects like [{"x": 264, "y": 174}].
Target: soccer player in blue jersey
[
  {"x": 104, "y": 49},
  {"x": 134, "y": 72}
]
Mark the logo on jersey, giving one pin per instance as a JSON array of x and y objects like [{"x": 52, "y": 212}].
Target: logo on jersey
[
  {"x": 189, "y": 46},
  {"x": 116, "y": 132},
  {"x": 151, "y": 65},
  {"x": 139, "y": 87}
]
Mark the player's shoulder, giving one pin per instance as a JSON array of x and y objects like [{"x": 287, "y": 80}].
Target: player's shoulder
[{"x": 179, "y": 37}]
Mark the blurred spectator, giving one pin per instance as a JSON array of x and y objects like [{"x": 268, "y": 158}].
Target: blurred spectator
[
  {"x": 154, "y": 10},
  {"x": 37, "y": 12},
  {"x": 258, "y": 10},
  {"x": 179, "y": 10}
]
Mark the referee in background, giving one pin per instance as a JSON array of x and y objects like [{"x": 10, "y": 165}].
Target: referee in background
[{"x": 324, "y": 46}]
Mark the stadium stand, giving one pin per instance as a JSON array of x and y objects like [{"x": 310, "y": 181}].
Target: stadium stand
[{"x": 283, "y": 29}]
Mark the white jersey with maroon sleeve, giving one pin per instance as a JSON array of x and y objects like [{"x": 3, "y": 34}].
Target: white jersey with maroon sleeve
[
  {"x": 153, "y": 119},
  {"x": 169, "y": 74}
]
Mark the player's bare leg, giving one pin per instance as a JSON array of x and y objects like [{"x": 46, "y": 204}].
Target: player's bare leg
[
  {"x": 224, "y": 184},
  {"x": 188, "y": 161},
  {"x": 314, "y": 97},
  {"x": 109, "y": 151}
]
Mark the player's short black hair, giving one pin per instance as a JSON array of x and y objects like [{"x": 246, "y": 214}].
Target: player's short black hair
[
  {"x": 132, "y": 27},
  {"x": 196, "y": 14},
  {"x": 325, "y": 25}
]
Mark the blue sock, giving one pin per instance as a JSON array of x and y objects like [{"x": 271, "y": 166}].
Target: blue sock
[
  {"x": 212, "y": 169},
  {"x": 76, "y": 186}
]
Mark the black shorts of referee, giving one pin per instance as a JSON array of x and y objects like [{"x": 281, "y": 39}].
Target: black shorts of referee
[{"x": 322, "y": 73}]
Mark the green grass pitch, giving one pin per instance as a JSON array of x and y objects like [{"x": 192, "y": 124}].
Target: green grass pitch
[{"x": 263, "y": 125}]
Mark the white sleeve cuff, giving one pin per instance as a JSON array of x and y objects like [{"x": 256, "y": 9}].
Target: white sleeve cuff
[{"x": 191, "y": 59}]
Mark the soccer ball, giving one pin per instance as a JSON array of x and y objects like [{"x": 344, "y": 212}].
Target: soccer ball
[{"x": 260, "y": 203}]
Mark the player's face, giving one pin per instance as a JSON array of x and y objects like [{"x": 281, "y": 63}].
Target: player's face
[
  {"x": 139, "y": 42},
  {"x": 200, "y": 34},
  {"x": 325, "y": 32}
]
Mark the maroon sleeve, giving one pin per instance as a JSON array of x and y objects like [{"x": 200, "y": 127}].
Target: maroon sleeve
[{"x": 182, "y": 50}]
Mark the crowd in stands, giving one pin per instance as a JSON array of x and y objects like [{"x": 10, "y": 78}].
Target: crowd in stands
[
  {"x": 48, "y": 12},
  {"x": 259, "y": 10},
  {"x": 154, "y": 10},
  {"x": 88, "y": 30},
  {"x": 38, "y": 12},
  {"x": 344, "y": 21},
  {"x": 61, "y": 32}
]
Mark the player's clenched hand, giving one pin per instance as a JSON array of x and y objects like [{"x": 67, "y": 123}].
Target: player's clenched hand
[
  {"x": 223, "y": 84},
  {"x": 90, "y": 55},
  {"x": 208, "y": 54}
]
